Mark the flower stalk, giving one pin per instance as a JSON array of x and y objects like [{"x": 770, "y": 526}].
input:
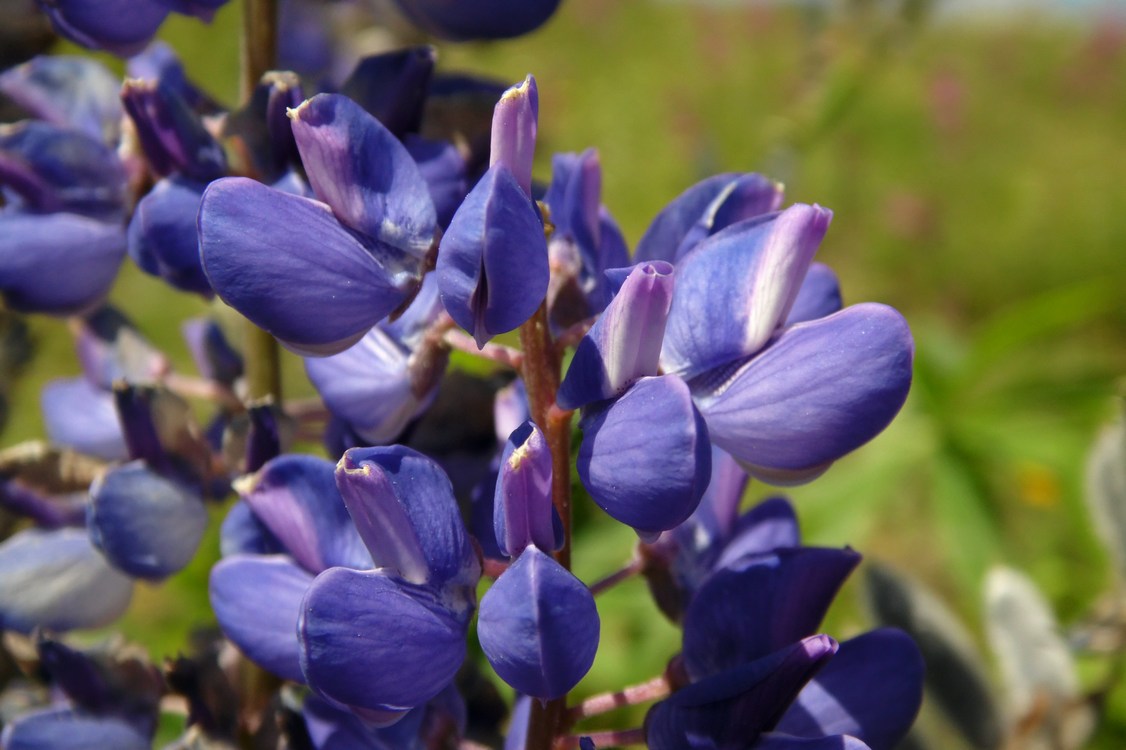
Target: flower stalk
[{"x": 259, "y": 55}]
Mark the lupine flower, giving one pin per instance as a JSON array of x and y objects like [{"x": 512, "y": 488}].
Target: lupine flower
[
  {"x": 147, "y": 516},
  {"x": 478, "y": 19},
  {"x": 585, "y": 241},
  {"x": 354, "y": 258},
  {"x": 57, "y": 579},
  {"x": 645, "y": 456},
  {"x": 123, "y": 28},
  {"x": 68, "y": 91},
  {"x": 538, "y": 624},
  {"x": 731, "y": 346},
  {"x": 61, "y": 236},
  {"x": 297, "y": 592},
  {"x": 492, "y": 261},
  {"x": 766, "y": 682}
]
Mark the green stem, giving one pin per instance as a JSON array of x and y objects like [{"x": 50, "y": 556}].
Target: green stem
[{"x": 259, "y": 55}]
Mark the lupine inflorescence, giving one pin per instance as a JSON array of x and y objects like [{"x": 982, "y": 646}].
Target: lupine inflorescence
[{"x": 374, "y": 243}]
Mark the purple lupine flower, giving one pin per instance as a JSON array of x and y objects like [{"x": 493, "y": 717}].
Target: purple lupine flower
[
  {"x": 67, "y": 91},
  {"x": 333, "y": 578},
  {"x": 492, "y": 261},
  {"x": 538, "y": 624},
  {"x": 764, "y": 681},
  {"x": 645, "y": 455},
  {"x": 61, "y": 234},
  {"x": 99, "y": 699},
  {"x": 784, "y": 395},
  {"x": 585, "y": 241},
  {"x": 147, "y": 516},
  {"x": 704, "y": 209},
  {"x": 122, "y": 27},
  {"x": 478, "y": 19},
  {"x": 354, "y": 258},
  {"x": 56, "y": 579}
]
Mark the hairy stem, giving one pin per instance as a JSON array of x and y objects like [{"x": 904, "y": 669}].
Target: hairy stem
[{"x": 627, "y": 571}]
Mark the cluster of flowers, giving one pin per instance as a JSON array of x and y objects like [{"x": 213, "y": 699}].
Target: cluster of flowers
[{"x": 372, "y": 243}]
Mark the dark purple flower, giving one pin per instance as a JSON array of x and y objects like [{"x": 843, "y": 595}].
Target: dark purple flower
[
  {"x": 538, "y": 624},
  {"x": 759, "y": 679},
  {"x": 366, "y": 568},
  {"x": 585, "y": 242},
  {"x": 122, "y": 27},
  {"x": 478, "y": 19},
  {"x": 352, "y": 259},
  {"x": 61, "y": 239},
  {"x": 492, "y": 261}
]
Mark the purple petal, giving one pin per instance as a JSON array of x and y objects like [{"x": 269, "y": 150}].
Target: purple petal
[
  {"x": 242, "y": 532},
  {"x": 392, "y": 86},
  {"x": 736, "y": 289},
  {"x": 159, "y": 62},
  {"x": 492, "y": 262},
  {"x": 57, "y": 580},
  {"x": 375, "y": 644},
  {"x": 822, "y": 389},
  {"x": 539, "y": 627},
  {"x": 45, "y": 511},
  {"x": 276, "y": 257},
  {"x": 403, "y": 506},
  {"x": 704, "y": 209},
  {"x": 56, "y": 168},
  {"x": 295, "y": 497},
  {"x": 111, "y": 348},
  {"x": 872, "y": 690},
  {"x": 480, "y": 19},
  {"x": 522, "y": 509},
  {"x": 79, "y": 415},
  {"x": 146, "y": 525},
  {"x": 257, "y": 600},
  {"x": 731, "y": 709},
  {"x": 163, "y": 239},
  {"x": 370, "y": 386},
  {"x": 122, "y": 27},
  {"x": 444, "y": 168},
  {"x": 788, "y": 593},
  {"x": 770, "y": 525},
  {"x": 213, "y": 355},
  {"x": 68, "y": 90},
  {"x": 515, "y": 120},
  {"x": 625, "y": 343},
  {"x": 772, "y": 741},
  {"x": 645, "y": 458},
  {"x": 64, "y": 729},
  {"x": 820, "y": 295},
  {"x": 59, "y": 264},
  {"x": 364, "y": 173},
  {"x": 172, "y": 136}
]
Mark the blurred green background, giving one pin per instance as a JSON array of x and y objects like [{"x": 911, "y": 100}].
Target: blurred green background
[{"x": 977, "y": 171}]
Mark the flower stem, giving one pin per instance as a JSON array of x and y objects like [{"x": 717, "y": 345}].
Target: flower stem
[
  {"x": 654, "y": 689},
  {"x": 627, "y": 571},
  {"x": 259, "y": 55}
]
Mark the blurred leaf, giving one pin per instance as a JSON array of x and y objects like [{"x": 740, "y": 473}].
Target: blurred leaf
[
  {"x": 1036, "y": 666},
  {"x": 955, "y": 676},
  {"x": 968, "y": 523},
  {"x": 1038, "y": 318},
  {"x": 1106, "y": 490}
]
